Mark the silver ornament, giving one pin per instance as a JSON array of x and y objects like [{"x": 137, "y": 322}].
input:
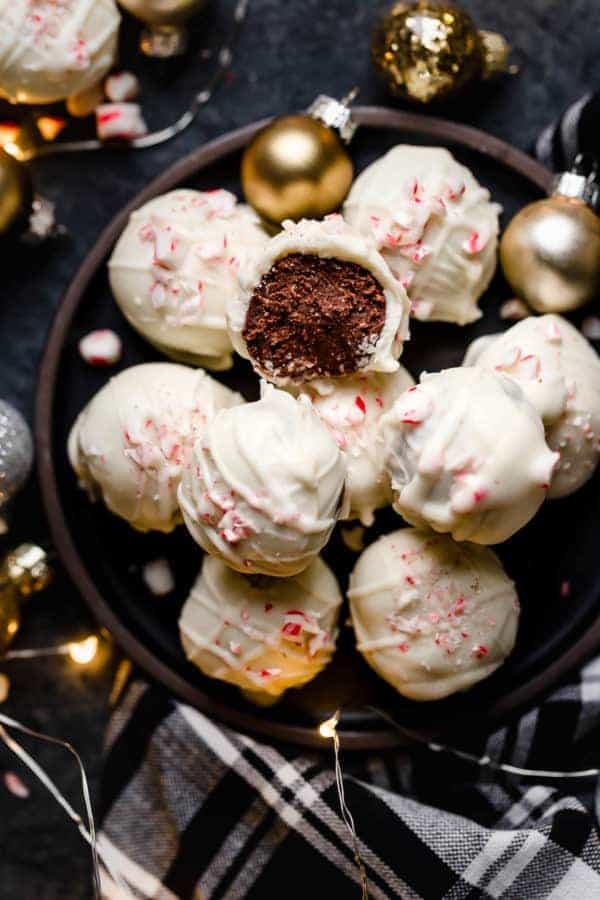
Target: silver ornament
[{"x": 16, "y": 453}]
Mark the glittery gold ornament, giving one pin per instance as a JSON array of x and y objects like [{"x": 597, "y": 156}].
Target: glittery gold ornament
[
  {"x": 550, "y": 251},
  {"x": 426, "y": 51},
  {"x": 297, "y": 166},
  {"x": 24, "y": 571},
  {"x": 15, "y": 194},
  {"x": 165, "y": 20},
  {"x": 16, "y": 456}
]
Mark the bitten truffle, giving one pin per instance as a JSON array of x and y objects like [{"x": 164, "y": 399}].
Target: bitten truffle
[
  {"x": 175, "y": 267},
  {"x": 262, "y": 634},
  {"x": 559, "y": 373},
  {"x": 466, "y": 453},
  {"x": 319, "y": 302},
  {"x": 265, "y": 486},
  {"x": 132, "y": 441},
  {"x": 435, "y": 226},
  {"x": 431, "y": 616}
]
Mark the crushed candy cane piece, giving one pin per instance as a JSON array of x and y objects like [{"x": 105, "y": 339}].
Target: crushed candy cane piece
[
  {"x": 101, "y": 348},
  {"x": 158, "y": 577},
  {"x": 269, "y": 673},
  {"x": 16, "y": 787},
  {"x": 474, "y": 243},
  {"x": 120, "y": 121},
  {"x": 514, "y": 310},
  {"x": 590, "y": 328},
  {"x": 553, "y": 334},
  {"x": 121, "y": 86}
]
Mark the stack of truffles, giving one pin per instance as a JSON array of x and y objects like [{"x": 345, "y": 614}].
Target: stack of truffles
[{"x": 466, "y": 456}]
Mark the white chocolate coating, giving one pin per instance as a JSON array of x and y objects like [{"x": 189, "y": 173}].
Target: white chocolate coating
[
  {"x": 432, "y": 617},
  {"x": 175, "y": 267},
  {"x": 351, "y": 408},
  {"x": 329, "y": 238},
  {"x": 467, "y": 455},
  {"x": 559, "y": 373},
  {"x": 132, "y": 441},
  {"x": 51, "y": 49},
  {"x": 264, "y": 489},
  {"x": 263, "y": 634},
  {"x": 435, "y": 226}
]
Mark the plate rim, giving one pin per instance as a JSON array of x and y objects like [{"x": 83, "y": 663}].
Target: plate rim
[{"x": 506, "y": 706}]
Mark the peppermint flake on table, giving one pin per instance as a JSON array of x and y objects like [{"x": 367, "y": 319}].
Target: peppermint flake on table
[
  {"x": 17, "y": 788},
  {"x": 101, "y": 348},
  {"x": 158, "y": 577}
]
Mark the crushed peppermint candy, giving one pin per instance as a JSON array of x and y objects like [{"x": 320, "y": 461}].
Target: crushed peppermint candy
[
  {"x": 101, "y": 347},
  {"x": 121, "y": 86},
  {"x": 17, "y": 788},
  {"x": 158, "y": 577},
  {"x": 122, "y": 121},
  {"x": 474, "y": 243},
  {"x": 514, "y": 310}
]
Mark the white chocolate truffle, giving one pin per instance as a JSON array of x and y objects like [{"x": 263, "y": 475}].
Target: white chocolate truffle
[
  {"x": 351, "y": 408},
  {"x": 435, "y": 226},
  {"x": 264, "y": 489},
  {"x": 559, "y": 373},
  {"x": 175, "y": 267},
  {"x": 338, "y": 312},
  {"x": 432, "y": 617},
  {"x": 467, "y": 455},
  {"x": 131, "y": 442},
  {"x": 51, "y": 50},
  {"x": 263, "y": 634}
]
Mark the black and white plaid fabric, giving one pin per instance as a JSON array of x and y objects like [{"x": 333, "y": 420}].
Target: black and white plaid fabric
[
  {"x": 196, "y": 810},
  {"x": 576, "y": 131}
]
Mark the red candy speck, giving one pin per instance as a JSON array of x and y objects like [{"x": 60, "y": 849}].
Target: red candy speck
[{"x": 361, "y": 404}]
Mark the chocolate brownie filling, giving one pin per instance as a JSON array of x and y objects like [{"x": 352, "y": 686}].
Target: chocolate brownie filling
[{"x": 311, "y": 317}]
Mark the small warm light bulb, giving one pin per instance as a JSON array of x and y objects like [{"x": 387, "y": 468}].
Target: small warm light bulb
[
  {"x": 83, "y": 652},
  {"x": 8, "y": 132},
  {"x": 327, "y": 729},
  {"x": 50, "y": 126},
  {"x": 12, "y": 149}
]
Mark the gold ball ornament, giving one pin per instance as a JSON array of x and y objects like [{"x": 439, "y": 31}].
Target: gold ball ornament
[
  {"x": 23, "y": 572},
  {"x": 426, "y": 51},
  {"x": 550, "y": 251},
  {"x": 16, "y": 195},
  {"x": 165, "y": 21},
  {"x": 297, "y": 167}
]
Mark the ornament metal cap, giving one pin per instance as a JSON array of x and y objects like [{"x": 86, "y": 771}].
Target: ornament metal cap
[
  {"x": 336, "y": 113},
  {"x": 580, "y": 182}
]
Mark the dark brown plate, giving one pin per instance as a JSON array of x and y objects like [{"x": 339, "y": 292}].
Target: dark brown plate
[{"x": 104, "y": 556}]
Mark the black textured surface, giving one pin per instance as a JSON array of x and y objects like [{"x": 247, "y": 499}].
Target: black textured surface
[{"x": 288, "y": 53}]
